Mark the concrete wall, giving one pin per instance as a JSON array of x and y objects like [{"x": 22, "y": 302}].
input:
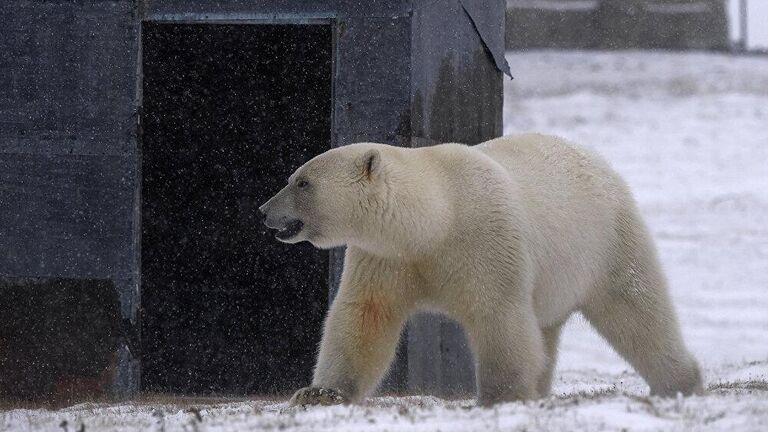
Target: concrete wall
[
  {"x": 68, "y": 181},
  {"x": 617, "y": 24}
]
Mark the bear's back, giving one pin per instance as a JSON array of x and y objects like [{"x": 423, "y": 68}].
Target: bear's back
[{"x": 572, "y": 199}]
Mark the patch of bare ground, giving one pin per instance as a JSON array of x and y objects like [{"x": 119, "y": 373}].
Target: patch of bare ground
[{"x": 739, "y": 386}]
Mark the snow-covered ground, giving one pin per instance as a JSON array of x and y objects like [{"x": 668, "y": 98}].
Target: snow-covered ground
[{"x": 690, "y": 134}]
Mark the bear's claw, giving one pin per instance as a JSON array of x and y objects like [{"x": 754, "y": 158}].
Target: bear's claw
[{"x": 317, "y": 396}]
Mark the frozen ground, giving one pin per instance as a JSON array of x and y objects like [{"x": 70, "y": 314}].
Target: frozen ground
[{"x": 690, "y": 134}]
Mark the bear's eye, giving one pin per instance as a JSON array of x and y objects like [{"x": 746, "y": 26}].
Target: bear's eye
[{"x": 302, "y": 184}]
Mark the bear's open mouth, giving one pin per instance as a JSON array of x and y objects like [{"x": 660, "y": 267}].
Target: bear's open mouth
[{"x": 290, "y": 229}]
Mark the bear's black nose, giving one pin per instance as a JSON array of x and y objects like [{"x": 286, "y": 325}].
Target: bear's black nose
[
  {"x": 263, "y": 209},
  {"x": 261, "y": 215}
]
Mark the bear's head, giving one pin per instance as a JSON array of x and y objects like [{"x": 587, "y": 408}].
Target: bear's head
[{"x": 328, "y": 198}]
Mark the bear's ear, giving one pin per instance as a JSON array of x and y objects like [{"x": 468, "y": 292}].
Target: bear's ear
[{"x": 370, "y": 162}]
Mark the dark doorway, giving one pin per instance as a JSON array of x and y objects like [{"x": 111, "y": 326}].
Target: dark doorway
[{"x": 229, "y": 111}]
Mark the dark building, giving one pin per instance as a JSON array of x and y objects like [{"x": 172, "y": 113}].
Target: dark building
[{"x": 138, "y": 137}]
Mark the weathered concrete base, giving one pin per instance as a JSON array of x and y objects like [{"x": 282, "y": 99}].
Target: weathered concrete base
[{"x": 63, "y": 341}]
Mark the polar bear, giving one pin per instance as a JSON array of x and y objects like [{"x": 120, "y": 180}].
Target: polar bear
[{"x": 508, "y": 237}]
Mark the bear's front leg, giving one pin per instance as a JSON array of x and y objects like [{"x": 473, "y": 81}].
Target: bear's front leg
[
  {"x": 360, "y": 334},
  {"x": 510, "y": 355}
]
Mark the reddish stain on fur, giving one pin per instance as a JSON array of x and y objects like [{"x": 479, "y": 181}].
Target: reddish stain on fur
[{"x": 374, "y": 315}]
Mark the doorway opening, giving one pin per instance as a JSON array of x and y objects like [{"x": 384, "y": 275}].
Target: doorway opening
[{"x": 228, "y": 112}]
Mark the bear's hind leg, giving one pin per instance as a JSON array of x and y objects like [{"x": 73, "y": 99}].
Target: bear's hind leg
[
  {"x": 636, "y": 317},
  {"x": 551, "y": 340}
]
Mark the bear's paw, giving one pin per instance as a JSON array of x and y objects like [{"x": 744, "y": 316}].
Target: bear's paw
[{"x": 317, "y": 396}]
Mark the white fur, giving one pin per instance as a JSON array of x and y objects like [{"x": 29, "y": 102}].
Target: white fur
[{"x": 509, "y": 237}]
